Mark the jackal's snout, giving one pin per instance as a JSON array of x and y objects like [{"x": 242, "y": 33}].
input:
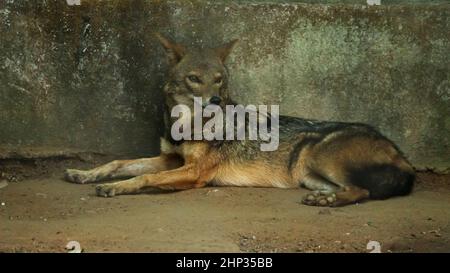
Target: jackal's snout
[
  {"x": 212, "y": 100},
  {"x": 215, "y": 100}
]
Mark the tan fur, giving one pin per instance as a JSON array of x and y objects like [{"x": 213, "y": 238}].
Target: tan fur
[
  {"x": 353, "y": 151},
  {"x": 257, "y": 174}
]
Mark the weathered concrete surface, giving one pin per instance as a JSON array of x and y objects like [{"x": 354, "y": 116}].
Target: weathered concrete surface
[{"x": 88, "y": 77}]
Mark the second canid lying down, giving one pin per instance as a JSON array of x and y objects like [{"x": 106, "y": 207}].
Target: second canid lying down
[{"x": 342, "y": 163}]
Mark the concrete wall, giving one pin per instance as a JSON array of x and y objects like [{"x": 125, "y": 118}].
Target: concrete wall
[{"x": 89, "y": 77}]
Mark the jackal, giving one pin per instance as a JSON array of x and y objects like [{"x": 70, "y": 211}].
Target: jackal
[{"x": 342, "y": 163}]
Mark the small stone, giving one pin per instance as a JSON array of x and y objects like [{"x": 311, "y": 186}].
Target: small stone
[
  {"x": 330, "y": 199},
  {"x": 323, "y": 202},
  {"x": 43, "y": 195},
  {"x": 325, "y": 211},
  {"x": 212, "y": 191},
  {"x": 310, "y": 197},
  {"x": 3, "y": 184},
  {"x": 3, "y": 204}
]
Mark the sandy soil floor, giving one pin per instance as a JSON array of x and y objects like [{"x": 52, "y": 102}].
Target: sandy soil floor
[{"x": 39, "y": 212}]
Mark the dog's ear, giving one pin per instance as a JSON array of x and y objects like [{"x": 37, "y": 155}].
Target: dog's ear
[
  {"x": 225, "y": 50},
  {"x": 175, "y": 52}
]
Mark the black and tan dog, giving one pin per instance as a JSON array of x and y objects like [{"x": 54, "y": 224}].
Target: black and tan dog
[{"x": 341, "y": 163}]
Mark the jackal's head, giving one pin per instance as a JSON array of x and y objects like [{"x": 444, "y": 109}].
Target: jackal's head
[{"x": 196, "y": 73}]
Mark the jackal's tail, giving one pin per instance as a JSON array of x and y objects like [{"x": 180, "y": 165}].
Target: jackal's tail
[{"x": 383, "y": 181}]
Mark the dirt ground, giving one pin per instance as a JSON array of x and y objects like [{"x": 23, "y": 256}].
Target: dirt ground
[{"x": 39, "y": 212}]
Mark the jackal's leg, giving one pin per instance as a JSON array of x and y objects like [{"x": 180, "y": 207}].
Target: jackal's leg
[
  {"x": 124, "y": 168},
  {"x": 334, "y": 192},
  {"x": 186, "y": 177},
  {"x": 317, "y": 183},
  {"x": 342, "y": 197}
]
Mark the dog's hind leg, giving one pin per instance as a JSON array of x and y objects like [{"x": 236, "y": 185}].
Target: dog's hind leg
[
  {"x": 326, "y": 193},
  {"x": 338, "y": 191},
  {"x": 124, "y": 168},
  {"x": 317, "y": 183},
  {"x": 341, "y": 197}
]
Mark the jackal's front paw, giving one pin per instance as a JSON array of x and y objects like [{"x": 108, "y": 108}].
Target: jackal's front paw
[
  {"x": 105, "y": 190},
  {"x": 319, "y": 199},
  {"x": 76, "y": 176}
]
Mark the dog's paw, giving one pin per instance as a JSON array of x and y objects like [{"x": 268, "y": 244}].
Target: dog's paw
[
  {"x": 320, "y": 199},
  {"x": 105, "y": 190},
  {"x": 76, "y": 176}
]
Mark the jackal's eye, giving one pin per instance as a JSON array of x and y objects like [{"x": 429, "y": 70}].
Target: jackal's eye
[
  {"x": 218, "y": 80},
  {"x": 194, "y": 79}
]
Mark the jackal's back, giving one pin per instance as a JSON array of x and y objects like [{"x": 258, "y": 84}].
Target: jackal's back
[{"x": 347, "y": 154}]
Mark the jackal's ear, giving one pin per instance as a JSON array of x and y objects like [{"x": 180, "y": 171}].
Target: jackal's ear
[
  {"x": 225, "y": 50},
  {"x": 175, "y": 52}
]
